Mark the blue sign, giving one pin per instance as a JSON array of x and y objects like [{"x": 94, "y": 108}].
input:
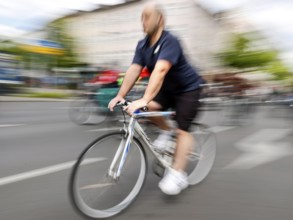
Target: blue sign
[{"x": 46, "y": 43}]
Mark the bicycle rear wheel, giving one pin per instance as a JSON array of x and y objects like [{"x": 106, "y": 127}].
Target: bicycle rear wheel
[
  {"x": 203, "y": 156},
  {"x": 93, "y": 192}
]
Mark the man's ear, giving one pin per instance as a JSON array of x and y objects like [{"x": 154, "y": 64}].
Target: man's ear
[{"x": 159, "y": 19}]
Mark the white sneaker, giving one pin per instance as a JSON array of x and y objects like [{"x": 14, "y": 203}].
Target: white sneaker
[
  {"x": 163, "y": 139},
  {"x": 173, "y": 182}
]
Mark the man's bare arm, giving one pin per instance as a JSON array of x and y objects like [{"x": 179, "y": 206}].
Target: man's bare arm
[
  {"x": 129, "y": 80},
  {"x": 156, "y": 80},
  {"x": 131, "y": 76}
]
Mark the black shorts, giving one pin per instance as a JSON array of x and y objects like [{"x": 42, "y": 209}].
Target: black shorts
[{"x": 185, "y": 104}]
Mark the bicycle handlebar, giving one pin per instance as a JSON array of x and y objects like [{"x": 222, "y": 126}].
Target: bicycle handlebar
[
  {"x": 146, "y": 113},
  {"x": 126, "y": 103}
]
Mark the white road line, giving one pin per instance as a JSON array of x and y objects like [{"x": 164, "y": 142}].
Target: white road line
[
  {"x": 261, "y": 147},
  {"x": 218, "y": 129},
  {"x": 94, "y": 186},
  {"x": 215, "y": 129},
  {"x": 44, "y": 171},
  {"x": 105, "y": 129},
  {"x": 10, "y": 125},
  {"x": 59, "y": 108}
]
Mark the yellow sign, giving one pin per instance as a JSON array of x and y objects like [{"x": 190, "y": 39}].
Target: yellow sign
[{"x": 43, "y": 50}]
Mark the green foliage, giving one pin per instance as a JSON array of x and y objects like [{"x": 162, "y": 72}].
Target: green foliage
[
  {"x": 10, "y": 47},
  {"x": 247, "y": 59},
  {"x": 57, "y": 32},
  {"x": 243, "y": 55},
  {"x": 279, "y": 70},
  {"x": 57, "y": 95},
  {"x": 28, "y": 59}
]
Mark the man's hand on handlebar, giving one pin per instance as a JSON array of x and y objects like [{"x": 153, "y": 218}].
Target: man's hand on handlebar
[
  {"x": 114, "y": 101},
  {"x": 135, "y": 105}
]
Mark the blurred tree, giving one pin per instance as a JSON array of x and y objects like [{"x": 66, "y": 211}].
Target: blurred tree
[
  {"x": 242, "y": 54},
  {"x": 245, "y": 54},
  {"x": 40, "y": 60},
  {"x": 279, "y": 70},
  {"x": 57, "y": 32},
  {"x": 26, "y": 57},
  {"x": 10, "y": 47}
]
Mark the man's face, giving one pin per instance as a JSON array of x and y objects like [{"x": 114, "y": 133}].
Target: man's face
[{"x": 150, "y": 21}]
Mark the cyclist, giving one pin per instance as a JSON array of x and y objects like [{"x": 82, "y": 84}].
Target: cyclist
[{"x": 173, "y": 83}]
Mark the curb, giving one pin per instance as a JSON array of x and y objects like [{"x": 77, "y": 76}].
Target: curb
[{"x": 24, "y": 99}]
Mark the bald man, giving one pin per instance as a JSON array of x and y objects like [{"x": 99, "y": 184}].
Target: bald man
[{"x": 173, "y": 83}]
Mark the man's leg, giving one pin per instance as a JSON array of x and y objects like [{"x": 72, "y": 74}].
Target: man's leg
[
  {"x": 175, "y": 179},
  {"x": 158, "y": 121},
  {"x": 185, "y": 143},
  {"x": 186, "y": 110}
]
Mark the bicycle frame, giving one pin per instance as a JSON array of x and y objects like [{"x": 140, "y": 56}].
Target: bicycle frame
[{"x": 124, "y": 147}]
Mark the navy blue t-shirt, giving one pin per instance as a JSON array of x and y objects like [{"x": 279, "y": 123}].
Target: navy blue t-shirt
[{"x": 182, "y": 77}]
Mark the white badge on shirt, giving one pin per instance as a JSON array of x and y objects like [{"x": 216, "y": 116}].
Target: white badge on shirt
[{"x": 157, "y": 49}]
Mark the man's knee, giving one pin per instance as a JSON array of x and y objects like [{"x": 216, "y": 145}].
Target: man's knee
[
  {"x": 154, "y": 106},
  {"x": 181, "y": 132}
]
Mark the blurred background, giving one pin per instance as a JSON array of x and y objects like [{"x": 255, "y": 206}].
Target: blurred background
[
  {"x": 62, "y": 45},
  {"x": 62, "y": 61}
]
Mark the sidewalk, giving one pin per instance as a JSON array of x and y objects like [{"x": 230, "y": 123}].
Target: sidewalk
[
  {"x": 27, "y": 99},
  {"x": 22, "y": 98}
]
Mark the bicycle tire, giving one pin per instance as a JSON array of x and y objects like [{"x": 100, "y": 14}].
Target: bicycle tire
[
  {"x": 203, "y": 156},
  {"x": 86, "y": 111},
  {"x": 84, "y": 181}
]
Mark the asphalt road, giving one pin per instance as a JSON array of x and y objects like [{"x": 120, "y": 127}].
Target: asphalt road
[{"x": 252, "y": 177}]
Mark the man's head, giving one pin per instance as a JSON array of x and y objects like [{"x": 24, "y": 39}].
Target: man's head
[{"x": 152, "y": 18}]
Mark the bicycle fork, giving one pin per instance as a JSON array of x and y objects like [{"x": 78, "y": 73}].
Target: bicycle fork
[{"x": 122, "y": 152}]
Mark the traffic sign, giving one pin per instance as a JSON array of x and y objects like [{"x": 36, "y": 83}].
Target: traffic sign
[{"x": 43, "y": 47}]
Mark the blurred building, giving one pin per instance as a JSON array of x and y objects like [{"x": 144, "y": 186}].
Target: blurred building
[{"x": 108, "y": 35}]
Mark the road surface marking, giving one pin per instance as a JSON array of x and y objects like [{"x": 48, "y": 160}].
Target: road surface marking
[
  {"x": 10, "y": 125},
  {"x": 59, "y": 108},
  {"x": 44, "y": 171},
  {"x": 94, "y": 186},
  {"x": 218, "y": 129},
  {"x": 106, "y": 129},
  {"x": 215, "y": 129},
  {"x": 261, "y": 147}
]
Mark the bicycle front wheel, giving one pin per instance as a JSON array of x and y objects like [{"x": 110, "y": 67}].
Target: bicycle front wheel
[
  {"x": 203, "y": 156},
  {"x": 93, "y": 192}
]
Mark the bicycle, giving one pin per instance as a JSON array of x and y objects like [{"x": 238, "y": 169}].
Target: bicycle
[
  {"x": 110, "y": 173},
  {"x": 92, "y": 106}
]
